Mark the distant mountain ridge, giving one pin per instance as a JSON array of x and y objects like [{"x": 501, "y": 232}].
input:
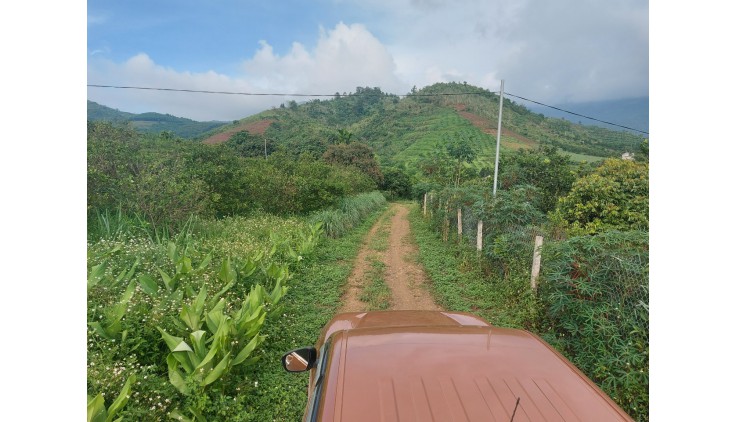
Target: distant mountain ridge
[
  {"x": 151, "y": 122},
  {"x": 630, "y": 112}
]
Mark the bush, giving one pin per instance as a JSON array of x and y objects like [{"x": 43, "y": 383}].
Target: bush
[{"x": 595, "y": 297}]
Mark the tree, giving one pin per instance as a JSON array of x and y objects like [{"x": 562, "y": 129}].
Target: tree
[
  {"x": 545, "y": 168},
  {"x": 344, "y": 136},
  {"x": 356, "y": 155},
  {"x": 460, "y": 149},
  {"x": 247, "y": 144},
  {"x": 614, "y": 197},
  {"x": 396, "y": 182}
]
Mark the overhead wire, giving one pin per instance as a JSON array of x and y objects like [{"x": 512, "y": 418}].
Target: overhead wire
[{"x": 274, "y": 94}]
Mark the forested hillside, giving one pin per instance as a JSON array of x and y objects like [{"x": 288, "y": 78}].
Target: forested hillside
[
  {"x": 150, "y": 122},
  {"x": 403, "y": 130}
]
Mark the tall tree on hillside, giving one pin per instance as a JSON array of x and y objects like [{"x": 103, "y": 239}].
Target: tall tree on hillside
[
  {"x": 344, "y": 136},
  {"x": 462, "y": 152},
  {"x": 356, "y": 155}
]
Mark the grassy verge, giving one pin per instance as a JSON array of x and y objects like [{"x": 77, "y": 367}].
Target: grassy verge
[
  {"x": 459, "y": 284},
  {"x": 314, "y": 298}
]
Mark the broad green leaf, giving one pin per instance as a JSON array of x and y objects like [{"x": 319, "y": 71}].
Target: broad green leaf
[
  {"x": 227, "y": 273},
  {"x": 172, "y": 252},
  {"x": 185, "y": 360},
  {"x": 205, "y": 262},
  {"x": 95, "y": 275},
  {"x": 100, "y": 330},
  {"x": 148, "y": 285},
  {"x": 184, "y": 265},
  {"x": 172, "y": 341},
  {"x": 190, "y": 317},
  {"x": 214, "y": 318},
  {"x": 246, "y": 351},
  {"x": 175, "y": 377},
  {"x": 218, "y": 371},
  {"x": 198, "y": 341},
  {"x": 96, "y": 409},
  {"x": 122, "y": 398},
  {"x": 178, "y": 415},
  {"x": 182, "y": 347},
  {"x": 168, "y": 282}
]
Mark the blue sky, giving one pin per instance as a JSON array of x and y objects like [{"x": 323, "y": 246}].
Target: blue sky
[{"x": 555, "y": 52}]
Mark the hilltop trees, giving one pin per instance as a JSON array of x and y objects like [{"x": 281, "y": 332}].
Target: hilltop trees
[{"x": 357, "y": 155}]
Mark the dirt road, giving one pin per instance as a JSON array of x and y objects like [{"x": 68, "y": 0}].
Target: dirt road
[{"x": 386, "y": 273}]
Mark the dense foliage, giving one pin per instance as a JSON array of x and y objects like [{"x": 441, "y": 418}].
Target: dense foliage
[
  {"x": 592, "y": 303},
  {"x": 614, "y": 196},
  {"x": 595, "y": 297},
  {"x": 163, "y": 181}
]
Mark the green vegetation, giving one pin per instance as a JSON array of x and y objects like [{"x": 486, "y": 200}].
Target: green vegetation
[
  {"x": 207, "y": 262},
  {"x": 376, "y": 293},
  {"x": 592, "y": 303},
  {"x": 154, "y": 123}
]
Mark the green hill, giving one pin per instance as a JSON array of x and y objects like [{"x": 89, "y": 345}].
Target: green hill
[
  {"x": 151, "y": 122},
  {"x": 402, "y": 130}
]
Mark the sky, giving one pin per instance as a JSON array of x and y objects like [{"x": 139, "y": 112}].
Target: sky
[{"x": 554, "y": 52}]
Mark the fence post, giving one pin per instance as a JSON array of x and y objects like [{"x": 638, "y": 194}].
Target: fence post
[
  {"x": 479, "y": 235},
  {"x": 446, "y": 223},
  {"x": 536, "y": 262},
  {"x": 458, "y": 223},
  {"x": 425, "y": 202}
]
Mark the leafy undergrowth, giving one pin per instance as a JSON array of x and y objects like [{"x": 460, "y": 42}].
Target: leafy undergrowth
[{"x": 314, "y": 299}]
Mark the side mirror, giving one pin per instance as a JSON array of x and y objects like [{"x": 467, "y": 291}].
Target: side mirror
[{"x": 299, "y": 360}]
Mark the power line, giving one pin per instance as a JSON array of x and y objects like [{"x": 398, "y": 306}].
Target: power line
[
  {"x": 274, "y": 94},
  {"x": 576, "y": 114}
]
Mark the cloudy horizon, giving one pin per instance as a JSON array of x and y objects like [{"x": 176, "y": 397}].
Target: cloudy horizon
[{"x": 555, "y": 53}]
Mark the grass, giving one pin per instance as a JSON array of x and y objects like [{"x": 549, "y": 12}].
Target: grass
[
  {"x": 458, "y": 284},
  {"x": 376, "y": 294},
  {"x": 314, "y": 298}
]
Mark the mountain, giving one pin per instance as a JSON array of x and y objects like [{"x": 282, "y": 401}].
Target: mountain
[
  {"x": 151, "y": 122},
  {"x": 629, "y": 112},
  {"x": 405, "y": 129}
]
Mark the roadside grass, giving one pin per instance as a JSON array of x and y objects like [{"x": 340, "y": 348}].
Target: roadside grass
[
  {"x": 313, "y": 299},
  {"x": 458, "y": 284},
  {"x": 376, "y": 294}
]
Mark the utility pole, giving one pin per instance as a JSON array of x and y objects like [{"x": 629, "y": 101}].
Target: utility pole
[{"x": 499, "y": 132}]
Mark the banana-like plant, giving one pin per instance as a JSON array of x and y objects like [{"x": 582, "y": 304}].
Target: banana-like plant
[
  {"x": 182, "y": 268},
  {"x": 96, "y": 411},
  {"x": 207, "y": 354},
  {"x": 111, "y": 325}
]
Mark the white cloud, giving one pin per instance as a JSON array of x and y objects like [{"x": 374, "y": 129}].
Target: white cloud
[{"x": 344, "y": 58}]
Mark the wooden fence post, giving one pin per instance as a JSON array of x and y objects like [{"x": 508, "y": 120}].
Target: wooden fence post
[
  {"x": 425, "y": 202},
  {"x": 446, "y": 223},
  {"x": 536, "y": 263},
  {"x": 458, "y": 223},
  {"x": 479, "y": 235}
]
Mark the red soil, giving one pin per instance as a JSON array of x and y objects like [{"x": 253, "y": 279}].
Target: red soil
[
  {"x": 256, "y": 128},
  {"x": 486, "y": 126}
]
